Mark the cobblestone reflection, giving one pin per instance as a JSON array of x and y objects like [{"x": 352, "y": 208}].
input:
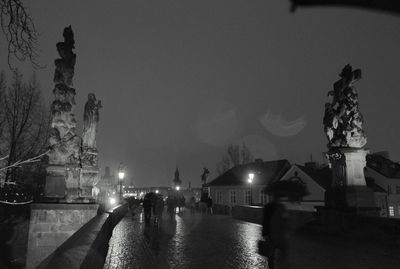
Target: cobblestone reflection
[{"x": 188, "y": 241}]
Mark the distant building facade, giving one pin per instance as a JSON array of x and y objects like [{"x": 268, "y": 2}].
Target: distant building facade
[
  {"x": 385, "y": 173},
  {"x": 232, "y": 187}
]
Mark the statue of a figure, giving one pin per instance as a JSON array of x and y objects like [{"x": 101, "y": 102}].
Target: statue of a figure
[
  {"x": 91, "y": 118},
  {"x": 65, "y": 66},
  {"x": 342, "y": 119},
  {"x": 204, "y": 176}
]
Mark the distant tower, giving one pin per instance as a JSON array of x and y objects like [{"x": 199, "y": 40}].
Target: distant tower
[{"x": 177, "y": 181}]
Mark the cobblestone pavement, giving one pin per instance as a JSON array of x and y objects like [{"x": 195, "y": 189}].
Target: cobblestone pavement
[
  {"x": 189, "y": 241},
  {"x": 204, "y": 241}
]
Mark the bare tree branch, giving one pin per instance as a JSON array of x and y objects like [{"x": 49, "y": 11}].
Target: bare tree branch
[
  {"x": 20, "y": 162},
  {"x": 19, "y": 30}
]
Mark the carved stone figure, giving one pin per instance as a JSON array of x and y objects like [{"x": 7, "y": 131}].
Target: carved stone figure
[
  {"x": 343, "y": 120},
  {"x": 65, "y": 66},
  {"x": 62, "y": 178},
  {"x": 63, "y": 140},
  {"x": 204, "y": 176},
  {"x": 91, "y": 118}
]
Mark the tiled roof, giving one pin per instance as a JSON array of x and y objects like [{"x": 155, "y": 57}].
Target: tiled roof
[
  {"x": 383, "y": 166},
  {"x": 322, "y": 176},
  {"x": 264, "y": 172}
]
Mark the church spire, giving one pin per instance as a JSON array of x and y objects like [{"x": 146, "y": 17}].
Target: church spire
[{"x": 177, "y": 181}]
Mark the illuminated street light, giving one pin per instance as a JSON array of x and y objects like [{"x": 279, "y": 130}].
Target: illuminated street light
[
  {"x": 121, "y": 175},
  {"x": 157, "y": 191},
  {"x": 178, "y": 188},
  {"x": 250, "y": 180},
  {"x": 112, "y": 201}
]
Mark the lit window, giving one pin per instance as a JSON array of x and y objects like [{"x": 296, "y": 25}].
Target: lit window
[
  {"x": 233, "y": 197},
  {"x": 391, "y": 211}
]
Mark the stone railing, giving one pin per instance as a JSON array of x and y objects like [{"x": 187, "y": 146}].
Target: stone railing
[{"x": 87, "y": 248}]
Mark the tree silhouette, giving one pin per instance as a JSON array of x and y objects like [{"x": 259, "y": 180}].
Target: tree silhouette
[{"x": 19, "y": 31}]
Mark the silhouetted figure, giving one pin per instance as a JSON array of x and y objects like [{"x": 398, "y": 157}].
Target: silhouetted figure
[
  {"x": 147, "y": 205},
  {"x": 181, "y": 203},
  {"x": 192, "y": 205},
  {"x": 171, "y": 205},
  {"x": 275, "y": 232},
  {"x": 158, "y": 208},
  {"x": 209, "y": 205}
]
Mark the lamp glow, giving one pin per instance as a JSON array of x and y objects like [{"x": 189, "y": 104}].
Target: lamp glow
[
  {"x": 178, "y": 188},
  {"x": 112, "y": 201},
  {"x": 121, "y": 175},
  {"x": 251, "y": 177}
]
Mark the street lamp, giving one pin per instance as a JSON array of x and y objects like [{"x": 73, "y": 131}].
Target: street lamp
[
  {"x": 250, "y": 180},
  {"x": 178, "y": 188},
  {"x": 121, "y": 175}
]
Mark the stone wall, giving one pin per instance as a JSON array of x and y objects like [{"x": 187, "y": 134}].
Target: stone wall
[
  {"x": 51, "y": 225},
  {"x": 88, "y": 247}
]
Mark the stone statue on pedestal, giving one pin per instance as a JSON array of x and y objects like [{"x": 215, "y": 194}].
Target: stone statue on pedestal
[
  {"x": 346, "y": 140},
  {"x": 72, "y": 170}
]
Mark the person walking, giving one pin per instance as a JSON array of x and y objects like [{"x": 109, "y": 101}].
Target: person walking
[
  {"x": 276, "y": 233},
  {"x": 147, "y": 206},
  {"x": 158, "y": 209},
  {"x": 171, "y": 205}
]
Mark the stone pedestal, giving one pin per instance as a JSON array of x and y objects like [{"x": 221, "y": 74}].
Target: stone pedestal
[
  {"x": 51, "y": 224},
  {"x": 349, "y": 189},
  {"x": 55, "y": 181},
  {"x": 63, "y": 182}
]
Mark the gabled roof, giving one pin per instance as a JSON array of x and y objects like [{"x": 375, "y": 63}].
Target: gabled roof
[
  {"x": 371, "y": 184},
  {"x": 322, "y": 176},
  {"x": 265, "y": 172},
  {"x": 383, "y": 165}
]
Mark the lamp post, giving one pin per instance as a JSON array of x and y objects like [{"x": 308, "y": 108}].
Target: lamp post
[
  {"x": 250, "y": 180},
  {"x": 121, "y": 175}
]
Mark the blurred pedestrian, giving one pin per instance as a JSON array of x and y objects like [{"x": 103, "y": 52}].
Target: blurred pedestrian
[
  {"x": 147, "y": 206},
  {"x": 158, "y": 209},
  {"x": 192, "y": 205},
  {"x": 171, "y": 205},
  {"x": 209, "y": 205},
  {"x": 276, "y": 233}
]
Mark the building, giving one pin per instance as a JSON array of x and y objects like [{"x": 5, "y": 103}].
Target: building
[
  {"x": 177, "y": 182},
  {"x": 233, "y": 188},
  {"x": 385, "y": 175},
  {"x": 317, "y": 179}
]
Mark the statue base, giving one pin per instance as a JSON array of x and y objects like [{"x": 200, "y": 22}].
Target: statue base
[
  {"x": 349, "y": 191},
  {"x": 70, "y": 183}
]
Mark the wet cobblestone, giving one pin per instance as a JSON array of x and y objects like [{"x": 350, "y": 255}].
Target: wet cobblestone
[
  {"x": 189, "y": 241},
  {"x": 204, "y": 241}
]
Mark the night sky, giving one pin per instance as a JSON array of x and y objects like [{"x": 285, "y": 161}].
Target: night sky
[{"x": 180, "y": 80}]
